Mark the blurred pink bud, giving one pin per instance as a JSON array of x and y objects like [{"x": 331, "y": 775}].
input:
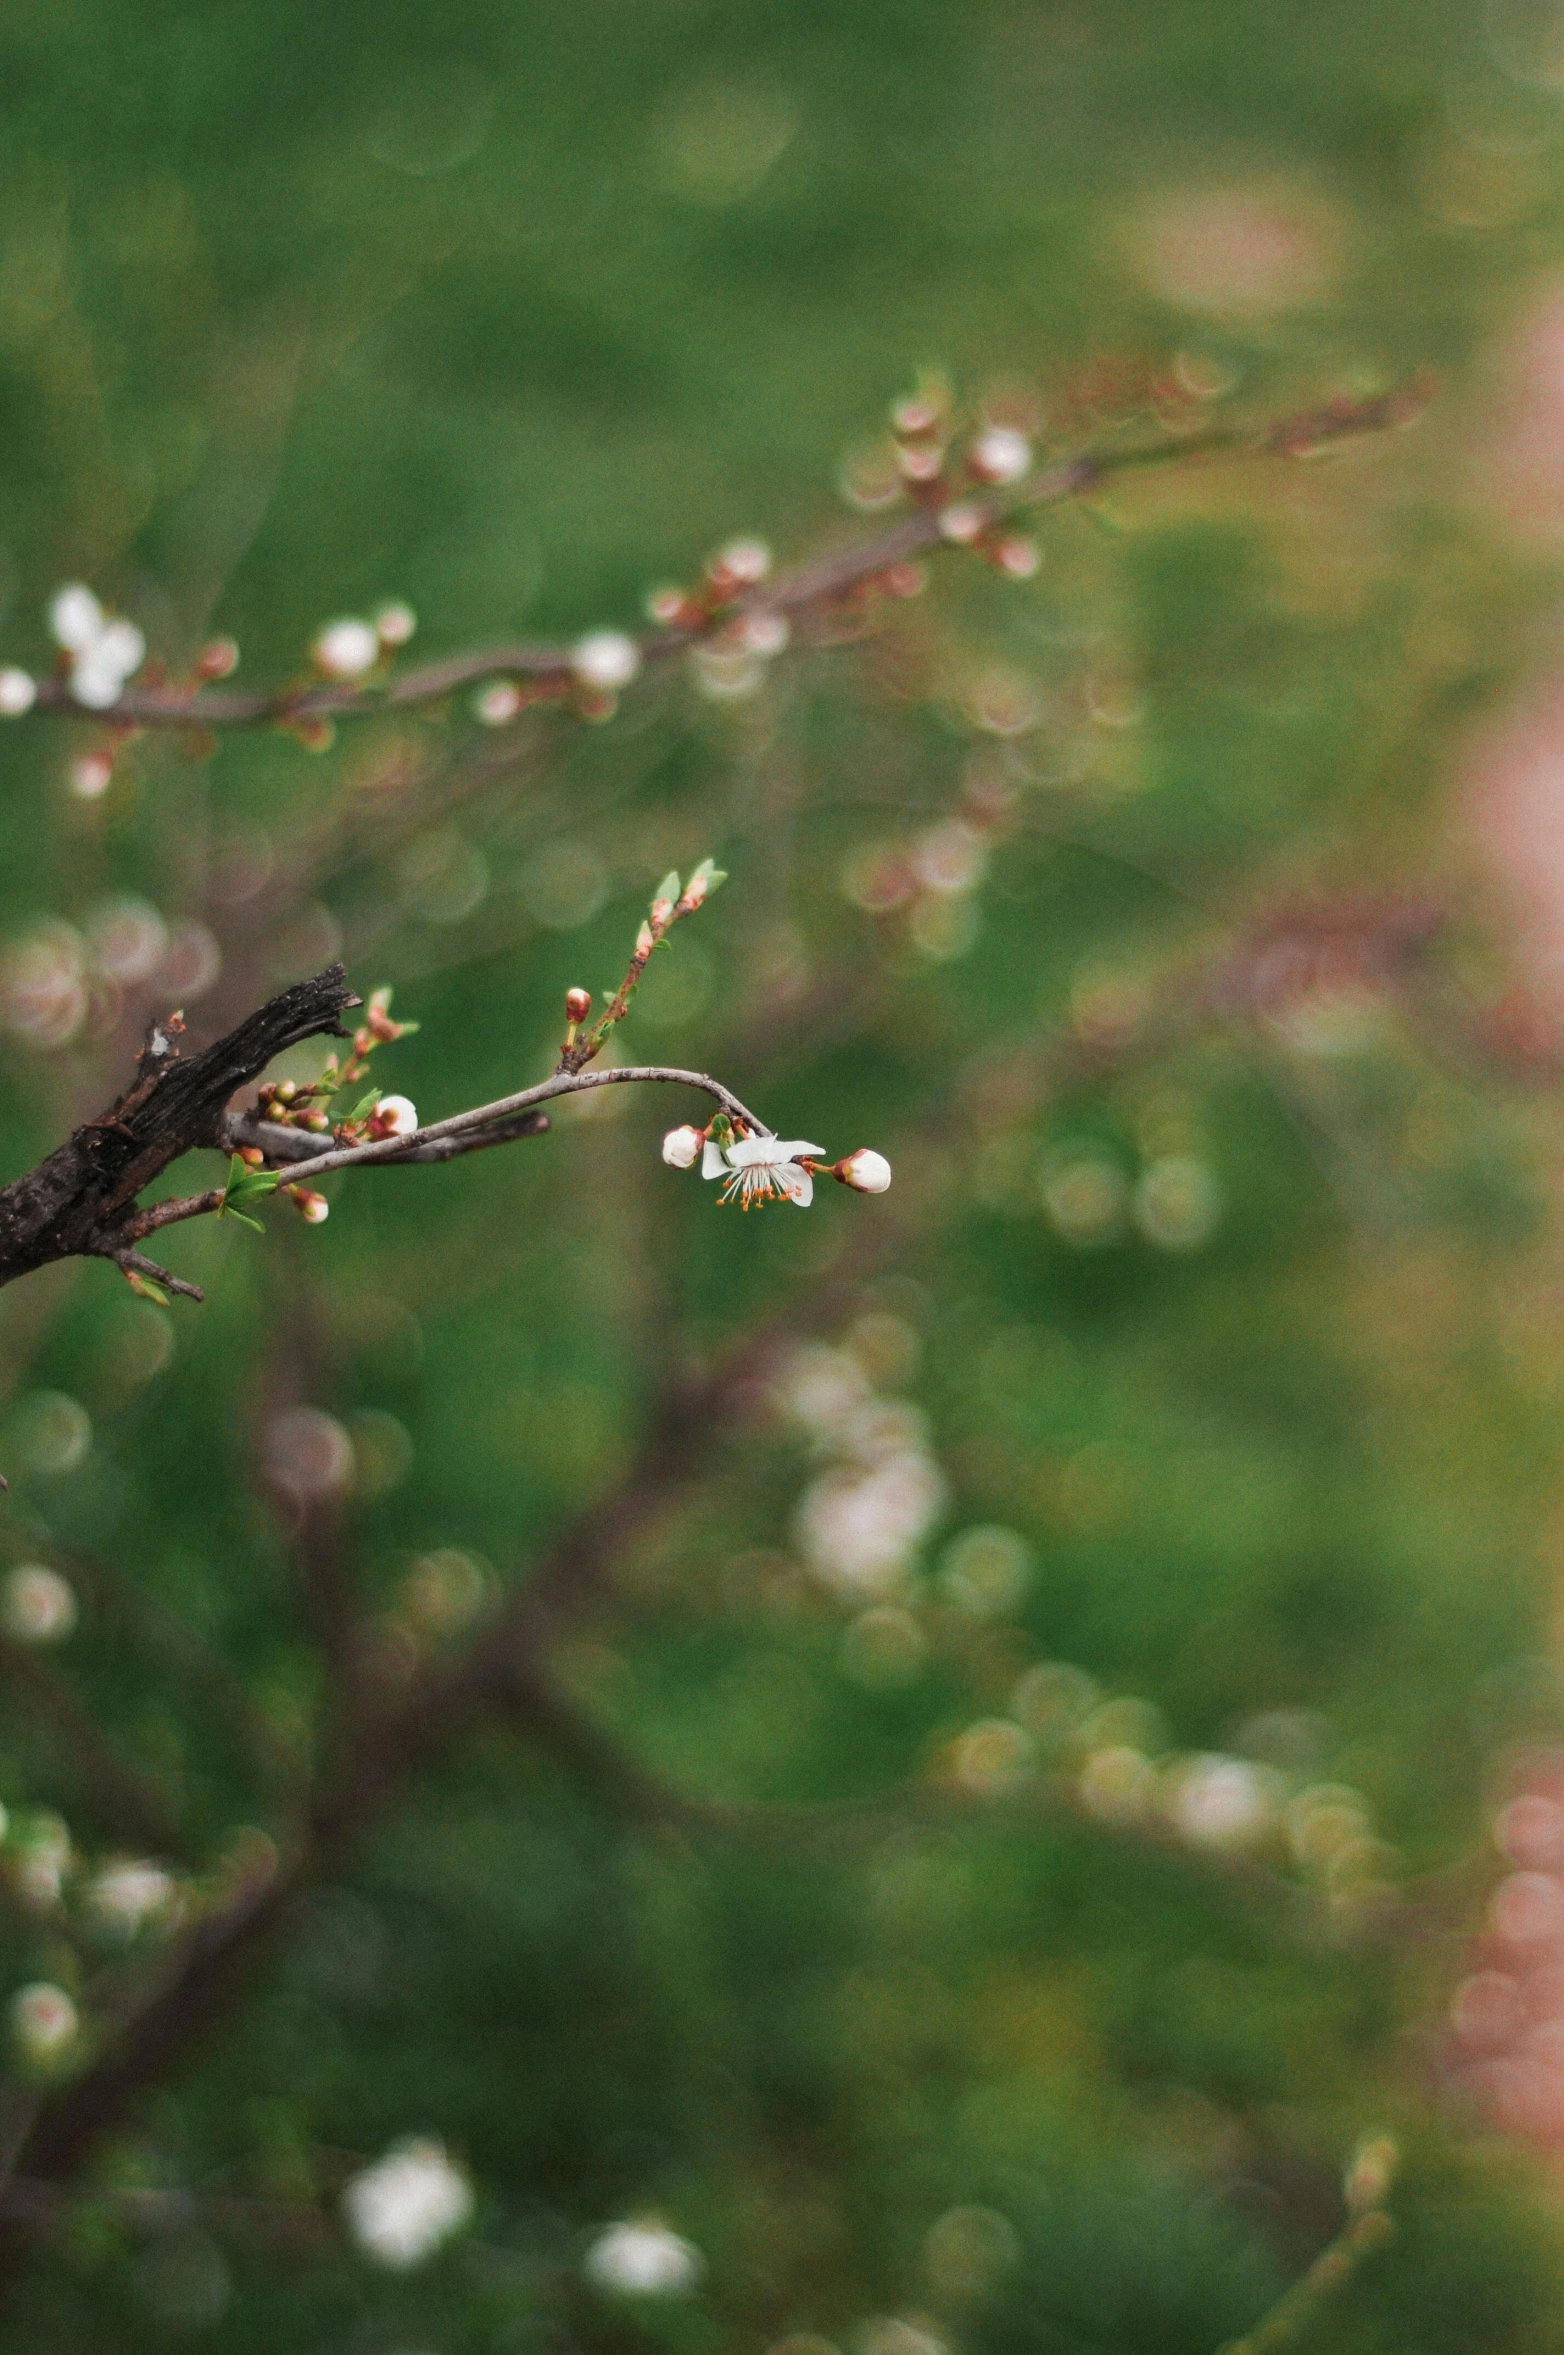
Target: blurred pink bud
[
  {"x": 921, "y": 461},
  {"x": 1018, "y": 556},
  {"x": 962, "y": 523},
  {"x": 395, "y": 623},
  {"x": 665, "y": 605},
  {"x": 681, "y": 1146},
  {"x": 218, "y": 659},
  {"x": 915, "y": 414},
  {"x": 865, "y": 1172},
  {"x": 92, "y": 775},
  {"x": 497, "y": 704}
]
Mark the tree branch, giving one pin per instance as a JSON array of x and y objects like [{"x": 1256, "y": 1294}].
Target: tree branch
[{"x": 816, "y": 584}]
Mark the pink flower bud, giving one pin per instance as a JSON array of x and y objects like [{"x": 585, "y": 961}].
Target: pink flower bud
[
  {"x": 961, "y": 523},
  {"x": 865, "y": 1172},
  {"x": 1018, "y": 556},
  {"x": 681, "y": 1146},
  {"x": 92, "y": 775},
  {"x": 218, "y": 660},
  {"x": 665, "y": 605},
  {"x": 578, "y": 1004},
  {"x": 395, "y": 623},
  {"x": 498, "y": 703}
]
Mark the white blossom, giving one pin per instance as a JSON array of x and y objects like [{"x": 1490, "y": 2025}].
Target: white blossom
[
  {"x": 606, "y": 659},
  {"x": 866, "y": 1172},
  {"x": 1001, "y": 454},
  {"x": 346, "y": 649},
  {"x": 104, "y": 651},
  {"x": 681, "y": 1146},
  {"x": 402, "y": 2208},
  {"x": 743, "y": 560},
  {"x": 642, "y": 2258},
  {"x": 18, "y": 692},
  {"x": 128, "y": 1892},
  {"x": 759, "y": 1169},
  {"x": 397, "y": 1115}
]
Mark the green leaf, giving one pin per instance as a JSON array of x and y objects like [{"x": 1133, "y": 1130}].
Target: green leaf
[
  {"x": 711, "y": 874},
  {"x": 145, "y": 1287},
  {"x": 669, "y": 888},
  {"x": 364, "y": 1106},
  {"x": 246, "y": 1185}
]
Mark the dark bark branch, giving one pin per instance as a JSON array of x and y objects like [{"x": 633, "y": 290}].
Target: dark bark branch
[{"x": 80, "y": 1201}]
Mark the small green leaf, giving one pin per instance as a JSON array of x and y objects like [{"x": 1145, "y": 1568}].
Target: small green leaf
[
  {"x": 246, "y": 1185},
  {"x": 146, "y": 1288},
  {"x": 365, "y": 1105},
  {"x": 669, "y": 888},
  {"x": 709, "y": 873}
]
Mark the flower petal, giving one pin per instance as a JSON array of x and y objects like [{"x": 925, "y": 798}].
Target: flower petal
[
  {"x": 795, "y": 1183},
  {"x": 713, "y": 1160},
  {"x": 752, "y": 1152}
]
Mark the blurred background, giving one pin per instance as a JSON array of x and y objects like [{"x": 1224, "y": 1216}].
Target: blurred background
[{"x": 1026, "y": 1732}]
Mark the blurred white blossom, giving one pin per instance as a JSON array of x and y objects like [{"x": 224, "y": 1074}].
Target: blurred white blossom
[
  {"x": 105, "y": 650},
  {"x": 402, "y": 2208},
  {"x": 642, "y": 2258}
]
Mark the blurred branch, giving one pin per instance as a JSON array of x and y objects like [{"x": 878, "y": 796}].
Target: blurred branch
[
  {"x": 555, "y": 670},
  {"x": 126, "y": 1800}
]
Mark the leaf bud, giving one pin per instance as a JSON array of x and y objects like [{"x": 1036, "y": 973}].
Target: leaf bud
[
  {"x": 865, "y": 1172},
  {"x": 645, "y": 941}
]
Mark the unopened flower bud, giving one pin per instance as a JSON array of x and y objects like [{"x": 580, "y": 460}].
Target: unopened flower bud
[
  {"x": 1017, "y": 555},
  {"x": 1371, "y": 2174},
  {"x": 742, "y": 562},
  {"x": 395, "y": 623},
  {"x": 18, "y": 692},
  {"x": 497, "y": 704},
  {"x": 921, "y": 461},
  {"x": 606, "y": 659},
  {"x": 917, "y": 413},
  {"x": 1000, "y": 454},
  {"x": 578, "y": 1004},
  {"x": 313, "y": 1208},
  {"x": 92, "y": 775},
  {"x": 962, "y": 523},
  {"x": 218, "y": 659},
  {"x": 665, "y": 605},
  {"x": 681, "y": 1146},
  {"x": 396, "y": 1116},
  {"x": 865, "y": 1172},
  {"x": 346, "y": 649}
]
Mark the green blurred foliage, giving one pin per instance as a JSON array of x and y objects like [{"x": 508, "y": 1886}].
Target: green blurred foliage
[{"x": 1248, "y": 1341}]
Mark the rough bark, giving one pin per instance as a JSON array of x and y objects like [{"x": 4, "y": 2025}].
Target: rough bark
[{"x": 80, "y": 1201}]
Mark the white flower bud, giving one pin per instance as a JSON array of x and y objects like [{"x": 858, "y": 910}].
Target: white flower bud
[
  {"x": 397, "y": 1115},
  {"x": 865, "y": 1172},
  {"x": 18, "y": 692},
  {"x": 92, "y": 775},
  {"x": 643, "y": 2259},
  {"x": 606, "y": 659},
  {"x": 680, "y": 1147},
  {"x": 1001, "y": 454},
  {"x": 314, "y": 1209},
  {"x": 744, "y": 560},
  {"x": 402, "y": 2208},
  {"x": 95, "y": 683},
  {"x": 346, "y": 649},
  {"x": 76, "y": 618},
  {"x": 119, "y": 647},
  {"x": 395, "y": 623},
  {"x": 765, "y": 633}
]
